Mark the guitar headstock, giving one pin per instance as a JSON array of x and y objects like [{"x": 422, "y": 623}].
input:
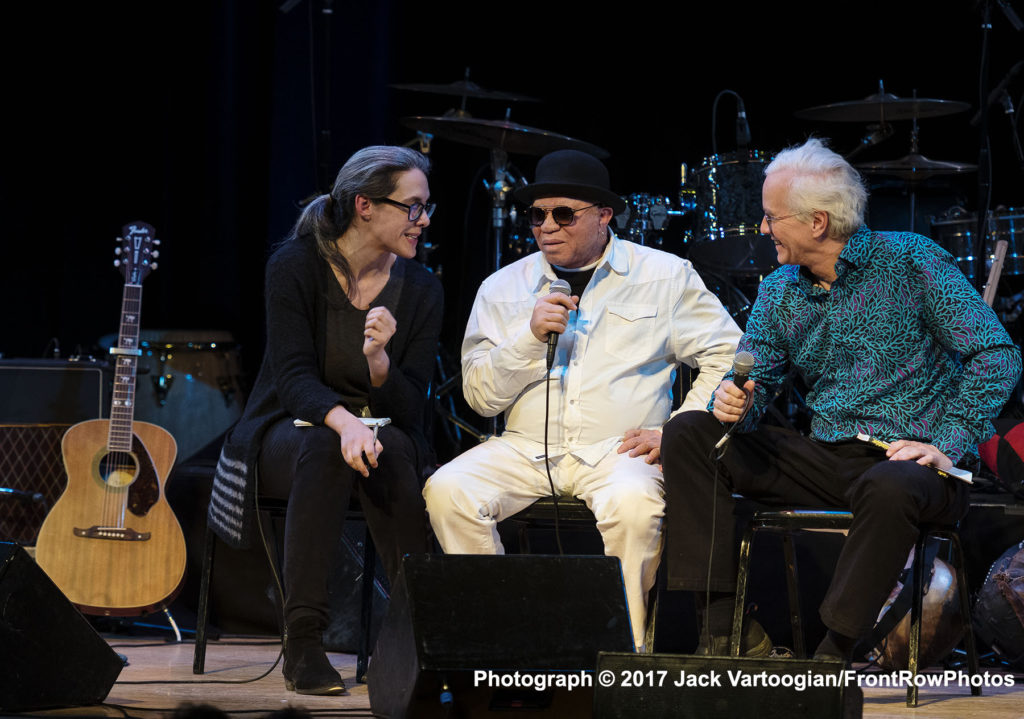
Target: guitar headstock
[{"x": 135, "y": 253}]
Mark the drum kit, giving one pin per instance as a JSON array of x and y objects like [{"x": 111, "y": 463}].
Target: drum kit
[
  {"x": 714, "y": 217},
  {"x": 719, "y": 200}
]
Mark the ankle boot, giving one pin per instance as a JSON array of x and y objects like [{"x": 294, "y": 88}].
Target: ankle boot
[{"x": 306, "y": 667}]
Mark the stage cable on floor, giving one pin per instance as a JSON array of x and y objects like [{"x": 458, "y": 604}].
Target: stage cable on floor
[{"x": 280, "y": 594}]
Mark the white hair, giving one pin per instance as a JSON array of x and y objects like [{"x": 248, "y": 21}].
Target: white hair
[{"x": 823, "y": 180}]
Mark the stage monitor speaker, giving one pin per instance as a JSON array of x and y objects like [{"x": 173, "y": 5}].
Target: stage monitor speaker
[
  {"x": 51, "y": 656},
  {"x": 460, "y": 627},
  {"x": 652, "y": 686}
]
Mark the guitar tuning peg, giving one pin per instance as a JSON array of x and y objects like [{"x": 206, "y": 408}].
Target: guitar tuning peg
[
  {"x": 153, "y": 265},
  {"x": 117, "y": 250},
  {"x": 156, "y": 242},
  {"x": 117, "y": 263},
  {"x": 155, "y": 253}
]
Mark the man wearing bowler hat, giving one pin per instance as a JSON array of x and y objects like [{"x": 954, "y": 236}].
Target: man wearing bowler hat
[{"x": 632, "y": 317}]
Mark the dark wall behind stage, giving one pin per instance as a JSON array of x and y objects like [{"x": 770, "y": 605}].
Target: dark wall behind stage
[{"x": 213, "y": 121}]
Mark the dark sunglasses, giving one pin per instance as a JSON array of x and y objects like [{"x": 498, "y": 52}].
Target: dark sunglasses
[
  {"x": 562, "y": 215},
  {"x": 415, "y": 209}
]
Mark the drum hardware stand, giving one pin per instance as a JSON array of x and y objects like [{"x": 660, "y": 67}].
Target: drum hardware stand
[
  {"x": 997, "y": 269},
  {"x": 912, "y": 184},
  {"x": 444, "y": 405},
  {"x": 162, "y": 381},
  {"x": 421, "y": 142},
  {"x": 687, "y": 201},
  {"x": 226, "y": 390},
  {"x": 425, "y": 248},
  {"x": 499, "y": 189},
  {"x": 875, "y": 135}
]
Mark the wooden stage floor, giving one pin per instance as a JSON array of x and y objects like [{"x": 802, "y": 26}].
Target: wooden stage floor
[{"x": 159, "y": 679}]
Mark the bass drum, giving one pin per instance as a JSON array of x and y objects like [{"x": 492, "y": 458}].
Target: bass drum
[
  {"x": 189, "y": 382},
  {"x": 727, "y": 235}
]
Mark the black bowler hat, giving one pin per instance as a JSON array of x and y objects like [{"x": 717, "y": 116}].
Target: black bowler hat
[{"x": 571, "y": 173}]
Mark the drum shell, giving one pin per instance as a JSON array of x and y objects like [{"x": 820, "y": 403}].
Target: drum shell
[
  {"x": 645, "y": 218},
  {"x": 957, "y": 236},
  {"x": 727, "y": 235},
  {"x": 1008, "y": 225},
  {"x": 190, "y": 383},
  {"x": 729, "y": 194}
]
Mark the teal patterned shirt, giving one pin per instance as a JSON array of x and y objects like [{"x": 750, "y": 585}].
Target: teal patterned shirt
[{"x": 901, "y": 347}]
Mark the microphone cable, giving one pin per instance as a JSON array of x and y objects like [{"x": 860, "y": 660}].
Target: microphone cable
[
  {"x": 547, "y": 460},
  {"x": 563, "y": 287},
  {"x": 715, "y": 455}
]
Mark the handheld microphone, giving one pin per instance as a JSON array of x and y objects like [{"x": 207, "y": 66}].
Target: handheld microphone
[
  {"x": 742, "y": 365},
  {"x": 562, "y": 286}
]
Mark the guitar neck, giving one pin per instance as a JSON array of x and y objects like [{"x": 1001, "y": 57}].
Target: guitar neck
[{"x": 122, "y": 409}]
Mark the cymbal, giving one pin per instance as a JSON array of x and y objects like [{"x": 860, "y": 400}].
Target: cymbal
[
  {"x": 915, "y": 167},
  {"x": 500, "y": 134},
  {"x": 465, "y": 88},
  {"x": 882, "y": 107}
]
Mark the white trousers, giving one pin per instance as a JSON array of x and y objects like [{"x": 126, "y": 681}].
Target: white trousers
[{"x": 468, "y": 496}]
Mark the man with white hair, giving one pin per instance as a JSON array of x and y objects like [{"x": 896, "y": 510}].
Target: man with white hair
[{"x": 894, "y": 343}]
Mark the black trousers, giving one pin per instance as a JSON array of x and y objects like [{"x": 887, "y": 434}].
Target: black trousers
[
  {"x": 889, "y": 500},
  {"x": 304, "y": 465}
]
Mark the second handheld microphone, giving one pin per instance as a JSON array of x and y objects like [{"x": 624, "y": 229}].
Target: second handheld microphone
[{"x": 562, "y": 286}]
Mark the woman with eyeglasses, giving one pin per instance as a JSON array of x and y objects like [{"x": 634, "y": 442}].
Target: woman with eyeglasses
[{"x": 352, "y": 330}]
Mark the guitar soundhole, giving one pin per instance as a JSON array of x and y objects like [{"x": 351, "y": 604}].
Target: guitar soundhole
[{"x": 118, "y": 469}]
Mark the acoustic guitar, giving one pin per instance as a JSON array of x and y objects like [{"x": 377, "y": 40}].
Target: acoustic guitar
[{"x": 111, "y": 542}]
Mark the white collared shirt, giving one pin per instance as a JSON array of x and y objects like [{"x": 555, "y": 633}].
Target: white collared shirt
[{"x": 643, "y": 312}]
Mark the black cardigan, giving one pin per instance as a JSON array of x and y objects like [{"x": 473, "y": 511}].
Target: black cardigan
[{"x": 290, "y": 380}]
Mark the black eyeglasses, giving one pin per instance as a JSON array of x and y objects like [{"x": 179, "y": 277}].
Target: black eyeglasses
[
  {"x": 562, "y": 215},
  {"x": 415, "y": 209}
]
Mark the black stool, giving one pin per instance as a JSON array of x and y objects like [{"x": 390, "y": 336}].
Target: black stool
[
  {"x": 278, "y": 508},
  {"x": 576, "y": 515},
  {"x": 791, "y": 521}
]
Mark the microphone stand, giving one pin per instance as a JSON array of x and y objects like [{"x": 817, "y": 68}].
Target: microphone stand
[
  {"x": 499, "y": 189},
  {"x": 984, "y": 158}
]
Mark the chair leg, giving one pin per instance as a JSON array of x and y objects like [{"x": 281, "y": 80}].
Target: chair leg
[
  {"x": 916, "y": 610},
  {"x": 793, "y": 588},
  {"x": 653, "y": 598},
  {"x": 741, "y": 593},
  {"x": 366, "y": 606},
  {"x": 199, "y": 658},
  {"x": 965, "y": 610}
]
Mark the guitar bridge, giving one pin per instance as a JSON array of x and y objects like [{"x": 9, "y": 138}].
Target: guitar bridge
[{"x": 121, "y": 534}]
